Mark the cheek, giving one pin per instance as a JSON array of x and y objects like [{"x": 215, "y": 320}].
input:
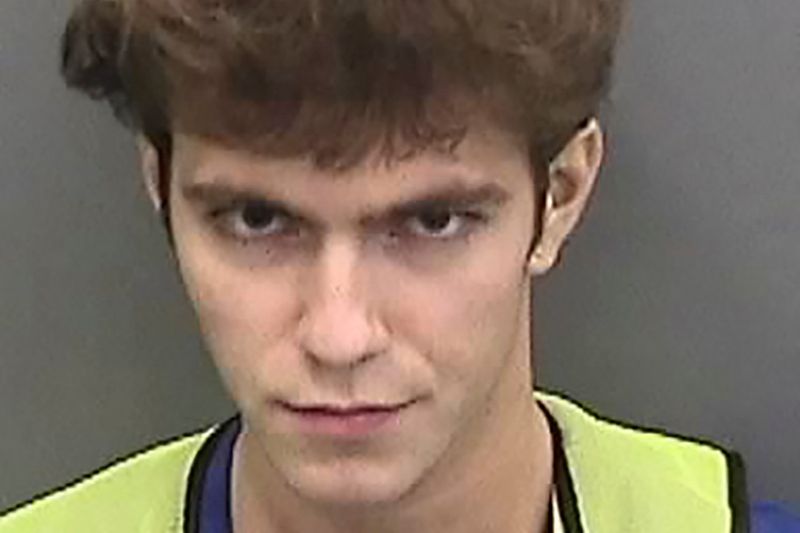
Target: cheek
[
  {"x": 243, "y": 315},
  {"x": 466, "y": 322}
]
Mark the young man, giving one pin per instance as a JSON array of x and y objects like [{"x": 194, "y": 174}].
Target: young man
[{"x": 358, "y": 194}]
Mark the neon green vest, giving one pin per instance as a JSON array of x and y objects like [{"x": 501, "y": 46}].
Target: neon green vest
[{"x": 613, "y": 480}]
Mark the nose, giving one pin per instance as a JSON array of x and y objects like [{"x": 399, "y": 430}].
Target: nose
[{"x": 338, "y": 327}]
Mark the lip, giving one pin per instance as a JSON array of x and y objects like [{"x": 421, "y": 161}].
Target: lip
[{"x": 343, "y": 421}]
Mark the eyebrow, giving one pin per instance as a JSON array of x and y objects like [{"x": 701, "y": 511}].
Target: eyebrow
[{"x": 454, "y": 195}]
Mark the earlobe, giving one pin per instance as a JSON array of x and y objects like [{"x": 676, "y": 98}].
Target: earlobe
[
  {"x": 150, "y": 168},
  {"x": 541, "y": 259},
  {"x": 540, "y": 263}
]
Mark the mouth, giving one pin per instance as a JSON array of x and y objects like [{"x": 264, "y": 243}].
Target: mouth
[
  {"x": 344, "y": 410},
  {"x": 344, "y": 420}
]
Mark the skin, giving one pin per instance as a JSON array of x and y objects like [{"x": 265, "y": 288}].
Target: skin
[{"x": 348, "y": 300}]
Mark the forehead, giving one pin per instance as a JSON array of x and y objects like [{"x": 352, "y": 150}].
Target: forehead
[{"x": 486, "y": 155}]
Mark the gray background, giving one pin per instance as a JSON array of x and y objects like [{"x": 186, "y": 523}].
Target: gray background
[{"x": 676, "y": 305}]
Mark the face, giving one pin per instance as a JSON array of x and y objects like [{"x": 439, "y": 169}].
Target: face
[{"x": 400, "y": 285}]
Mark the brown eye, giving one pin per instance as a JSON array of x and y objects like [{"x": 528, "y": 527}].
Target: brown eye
[
  {"x": 255, "y": 216},
  {"x": 437, "y": 224},
  {"x": 253, "y": 220}
]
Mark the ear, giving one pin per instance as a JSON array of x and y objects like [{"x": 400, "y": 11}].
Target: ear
[
  {"x": 151, "y": 169},
  {"x": 572, "y": 177}
]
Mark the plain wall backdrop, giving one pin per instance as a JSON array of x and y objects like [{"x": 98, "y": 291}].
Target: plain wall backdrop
[{"x": 676, "y": 304}]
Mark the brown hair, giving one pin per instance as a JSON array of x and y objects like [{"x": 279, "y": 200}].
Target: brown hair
[{"x": 335, "y": 79}]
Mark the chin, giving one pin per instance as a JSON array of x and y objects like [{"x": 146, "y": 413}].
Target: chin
[{"x": 350, "y": 484}]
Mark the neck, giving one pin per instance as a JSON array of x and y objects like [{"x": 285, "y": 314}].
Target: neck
[
  {"x": 505, "y": 489},
  {"x": 503, "y": 484}
]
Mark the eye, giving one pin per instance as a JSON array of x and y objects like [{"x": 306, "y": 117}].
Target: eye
[
  {"x": 441, "y": 224},
  {"x": 250, "y": 219}
]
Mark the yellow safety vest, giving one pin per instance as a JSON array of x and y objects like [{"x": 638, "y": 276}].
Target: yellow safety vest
[{"x": 610, "y": 479}]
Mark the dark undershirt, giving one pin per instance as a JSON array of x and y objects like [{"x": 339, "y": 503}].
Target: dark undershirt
[{"x": 215, "y": 504}]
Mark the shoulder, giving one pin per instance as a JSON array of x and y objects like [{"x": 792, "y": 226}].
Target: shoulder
[
  {"x": 589, "y": 433},
  {"x": 145, "y": 489},
  {"x": 648, "y": 473}
]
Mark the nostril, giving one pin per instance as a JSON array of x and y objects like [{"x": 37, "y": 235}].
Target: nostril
[{"x": 347, "y": 360}]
